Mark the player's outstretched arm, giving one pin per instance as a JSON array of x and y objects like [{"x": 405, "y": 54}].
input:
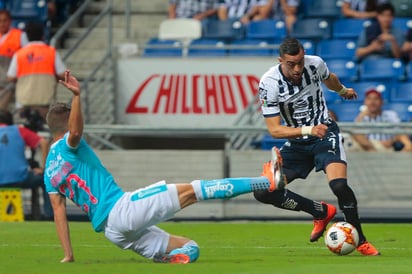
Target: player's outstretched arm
[
  {"x": 62, "y": 226},
  {"x": 75, "y": 123}
]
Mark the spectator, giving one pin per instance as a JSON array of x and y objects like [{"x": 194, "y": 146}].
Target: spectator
[
  {"x": 407, "y": 46},
  {"x": 285, "y": 10},
  {"x": 195, "y": 9},
  {"x": 374, "y": 113},
  {"x": 15, "y": 170},
  {"x": 35, "y": 68},
  {"x": 11, "y": 40},
  {"x": 361, "y": 9},
  {"x": 244, "y": 10},
  {"x": 381, "y": 39}
]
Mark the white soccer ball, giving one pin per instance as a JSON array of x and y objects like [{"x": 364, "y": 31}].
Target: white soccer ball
[{"x": 341, "y": 238}]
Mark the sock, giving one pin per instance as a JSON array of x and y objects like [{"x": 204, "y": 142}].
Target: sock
[
  {"x": 190, "y": 249},
  {"x": 290, "y": 200},
  {"x": 228, "y": 187},
  {"x": 348, "y": 204}
]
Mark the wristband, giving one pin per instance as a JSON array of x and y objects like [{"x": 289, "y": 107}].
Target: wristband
[
  {"x": 306, "y": 130},
  {"x": 343, "y": 90}
]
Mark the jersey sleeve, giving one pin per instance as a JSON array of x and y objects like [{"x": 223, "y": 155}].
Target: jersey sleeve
[
  {"x": 268, "y": 96},
  {"x": 323, "y": 69}
]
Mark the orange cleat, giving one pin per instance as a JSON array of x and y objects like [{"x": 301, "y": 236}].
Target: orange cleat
[
  {"x": 368, "y": 249},
  {"x": 320, "y": 224},
  {"x": 273, "y": 171}
]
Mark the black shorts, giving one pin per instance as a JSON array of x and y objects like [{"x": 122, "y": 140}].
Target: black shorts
[{"x": 300, "y": 156}]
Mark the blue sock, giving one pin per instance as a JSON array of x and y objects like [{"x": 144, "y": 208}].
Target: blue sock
[{"x": 228, "y": 187}]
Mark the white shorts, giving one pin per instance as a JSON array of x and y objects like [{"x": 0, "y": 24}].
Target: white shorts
[{"x": 131, "y": 222}]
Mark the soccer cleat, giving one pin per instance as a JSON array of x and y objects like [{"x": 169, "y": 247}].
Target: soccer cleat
[
  {"x": 320, "y": 224},
  {"x": 173, "y": 259},
  {"x": 273, "y": 171},
  {"x": 368, "y": 249}
]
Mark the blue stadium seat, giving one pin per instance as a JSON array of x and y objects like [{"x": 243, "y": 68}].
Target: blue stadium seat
[
  {"x": 402, "y": 92},
  {"x": 385, "y": 88},
  {"x": 271, "y": 30},
  {"x": 346, "y": 111},
  {"x": 323, "y": 9},
  {"x": 2, "y": 4},
  {"x": 346, "y": 70},
  {"x": 404, "y": 110},
  {"x": 252, "y": 48},
  {"x": 28, "y": 9},
  {"x": 331, "y": 97},
  {"x": 348, "y": 28},
  {"x": 402, "y": 23},
  {"x": 312, "y": 28},
  {"x": 163, "y": 48},
  {"x": 207, "y": 48},
  {"x": 309, "y": 46},
  {"x": 228, "y": 30},
  {"x": 336, "y": 49},
  {"x": 381, "y": 69},
  {"x": 403, "y": 8}
]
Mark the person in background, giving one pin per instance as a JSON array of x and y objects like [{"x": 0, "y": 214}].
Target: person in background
[
  {"x": 11, "y": 40},
  {"x": 407, "y": 47},
  {"x": 15, "y": 170},
  {"x": 373, "y": 113},
  {"x": 196, "y": 9},
  {"x": 381, "y": 39},
  {"x": 35, "y": 68},
  {"x": 361, "y": 9},
  {"x": 244, "y": 10},
  {"x": 285, "y": 10}
]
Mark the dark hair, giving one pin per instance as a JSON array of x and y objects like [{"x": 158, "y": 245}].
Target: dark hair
[
  {"x": 290, "y": 46},
  {"x": 385, "y": 6},
  {"x": 6, "y": 117},
  {"x": 57, "y": 118},
  {"x": 35, "y": 31}
]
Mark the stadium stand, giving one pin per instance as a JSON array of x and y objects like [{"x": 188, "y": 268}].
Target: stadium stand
[
  {"x": 207, "y": 48},
  {"x": 336, "y": 49},
  {"x": 273, "y": 31},
  {"x": 183, "y": 29},
  {"x": 402, "y": 23},
  {"x": 402, "y": 92},
  {"x": 389, "y": 69},
  {"x": 331, "y": 97},
  {"x": 404, "y": 110},
  {"x": 228, "y": 30},
  {"x": 312, "y": 28},
  {"x": 309, "y": 46},
  {"x": 403, "y": 8},
  {"x": 28, "y": 9},
  {"x": 347, "y": 110},
  {"x": 345, "y": 69},
  {"x": 384, "y": 87},
  {"x": 326, "y": 9},
  {"x": 163, "y": 48},
  {"x": 348, "y": 28},
  {"x": 262, "y": 48}
]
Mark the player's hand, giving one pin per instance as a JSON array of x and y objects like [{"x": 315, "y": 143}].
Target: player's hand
[
  {"x": 350, "y": 94},
  {"x": 319, "y": 130},
  {"x": 67, "y": 260},
  {"x": 71, "y": 83}
]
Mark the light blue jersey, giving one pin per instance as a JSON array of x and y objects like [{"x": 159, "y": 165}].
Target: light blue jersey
[{"x": 78, "y": 174}]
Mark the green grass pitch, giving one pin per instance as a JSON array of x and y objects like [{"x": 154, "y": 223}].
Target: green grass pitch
[{"x": 226, "y": 247}]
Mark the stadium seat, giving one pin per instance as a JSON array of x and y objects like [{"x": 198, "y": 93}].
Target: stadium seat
[
  {"x": 385, "y": 88},
  {"x": 309, "y": 46},
  {"x": 163, "y": 48},
  {"x": 331, "y": 97},
  {"x": 347, "y": 110},
  {"x": 312, "y": 28},
  {"x": 346, "y": 70},
  {"x": 402, "y": 92},
  {"x": 336, "y": 49},
  {"x": 270, "y": 30},
  {"x": 403, "y": 8},
  {"x": 381, "y": 69},
  {"x": 28, "y": 9},
  {"x": 329, "y": 9},
  {"x": 228, "y": 30},
  {"x": 404, "y": 110},
  {"x": 348, "y": 28},
  {"x": 183, "y": 29},
  {"x": 402, "y": 23},
  {"x": 252, "y": 48},
  {"x": 207, "y": 48}
]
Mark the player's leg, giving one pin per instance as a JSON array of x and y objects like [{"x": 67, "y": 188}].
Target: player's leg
[
  {"x": 297, "y": 163},
  {"x": 180, "y": 250}
]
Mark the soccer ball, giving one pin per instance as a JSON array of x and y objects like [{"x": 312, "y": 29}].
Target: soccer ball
[{"x": 342, "y": 238}]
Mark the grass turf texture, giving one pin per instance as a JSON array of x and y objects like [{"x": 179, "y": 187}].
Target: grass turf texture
[{"x": 234, "y": 247}]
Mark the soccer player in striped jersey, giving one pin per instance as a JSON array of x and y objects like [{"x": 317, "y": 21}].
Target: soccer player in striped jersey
[{"x": 291, "y": 91}]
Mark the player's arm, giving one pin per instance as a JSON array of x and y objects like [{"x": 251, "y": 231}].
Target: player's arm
[
  {"x": 277, "y": 130},
  {"x": 58, "y": 203},
  {"x": 75, "y": 123},
  {"x": 333, "y": 83}
]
